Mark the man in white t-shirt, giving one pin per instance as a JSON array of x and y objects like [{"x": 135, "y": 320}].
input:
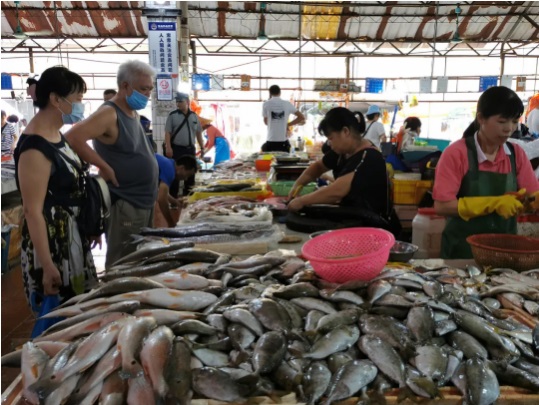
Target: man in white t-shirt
[
  {"x": 276, "y": 112},
  {"x": 374, "y": 131}
]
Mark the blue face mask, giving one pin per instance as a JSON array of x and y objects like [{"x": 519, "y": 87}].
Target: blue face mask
[
  {"x": 77, "y": 113},
  {"x": 137, "y": 101}
]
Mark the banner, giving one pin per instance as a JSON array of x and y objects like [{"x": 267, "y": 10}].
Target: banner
[{"x": 163, "y": 47}]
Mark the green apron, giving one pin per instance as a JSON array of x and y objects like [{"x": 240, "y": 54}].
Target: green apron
[{"x": 478, "y": 184}]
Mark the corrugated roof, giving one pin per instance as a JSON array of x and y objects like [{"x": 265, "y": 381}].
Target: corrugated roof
[{"x": 361, "y": 22}]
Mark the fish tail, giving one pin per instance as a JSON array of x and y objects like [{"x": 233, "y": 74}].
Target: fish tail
[
  {"x": 44, "y": 387},
  {"x": 134, "y": 371}
]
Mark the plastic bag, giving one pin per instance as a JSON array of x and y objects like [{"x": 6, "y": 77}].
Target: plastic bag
[{"x": 50, "y": 302}]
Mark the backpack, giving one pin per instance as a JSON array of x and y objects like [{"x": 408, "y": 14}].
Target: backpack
[{"x": 95, "y": 207}]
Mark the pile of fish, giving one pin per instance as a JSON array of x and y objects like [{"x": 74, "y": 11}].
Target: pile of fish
[
  {"x": 226, "y": 208},
  {"x": 267, "y": 325}
]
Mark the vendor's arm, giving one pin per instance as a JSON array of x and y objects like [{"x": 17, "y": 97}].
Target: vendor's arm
[
  {"x": 163, "y": 201},
  {"x": 200, "y": 140},
  {"x": 447, "y": 208},
  {"x": 331, "y": 194},
  {"x": 34, "y": 172},
  {"x": 310, "y": 174},
  {"x": 102, "y": 126},
  {"x": 212, "y": 133},
  {"x": 299, "y": 120}
]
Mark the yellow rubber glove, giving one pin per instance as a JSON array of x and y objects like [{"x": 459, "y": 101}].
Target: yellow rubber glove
[
  {"x": 534, "y": 204},
  {"x": 505, "y": 206}
]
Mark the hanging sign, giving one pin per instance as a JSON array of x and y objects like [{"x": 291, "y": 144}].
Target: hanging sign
[
  {"x": 487, "y": 81},
  {"x": 425, "y": 85},
  {"x": 163, "y": 47},
  {"x": 164, "y": 87},
  {"x": 245, "y": 84},
  {"x": 441, "y": 84},
  {"x": 521, "y": 83},
  {"x": 506, "y": 81}
]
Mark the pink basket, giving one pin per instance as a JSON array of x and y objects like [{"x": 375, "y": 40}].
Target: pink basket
[{"x": 349, "y": 254}]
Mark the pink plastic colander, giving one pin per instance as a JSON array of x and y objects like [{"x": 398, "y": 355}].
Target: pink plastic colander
[{"x": 349, "y": 254}]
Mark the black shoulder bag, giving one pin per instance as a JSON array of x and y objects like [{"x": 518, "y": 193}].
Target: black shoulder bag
[{"x": 95, "y": 206}]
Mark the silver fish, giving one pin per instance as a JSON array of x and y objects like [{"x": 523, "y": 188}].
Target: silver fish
[
  {"x": 384, "y": 357},
  {"x": 154, "y": 356},
  {"x": 482, "y": 384},
  {"x": 316, "y": 381},
  {"x": 331, "y": 321},
  {"x": 147, "y": 252},
  {"x": 431, "y": 361},
  {"x": 180, "y": 280},
  {"x": 33, "y": 362},
  {"x": 420, "y": 322},
  {"x": 245, "y": 318},
  {"x": 129, "y": 343},
  {"x": 121, "y": 285},
  {"x": 87, "y": 353},
  {"x": 216, "y": 384},
  {"x": 314, "y": 303},
  {"x": 270, "y": 314},
  {"x": 336, "y": 340},
  {"x": 268, "y": 353},
  {"x": 467, "y": 344},
  {"x": 351, "y": 378}
]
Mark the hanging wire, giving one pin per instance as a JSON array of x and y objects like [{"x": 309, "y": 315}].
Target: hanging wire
[{"x": 58, "y": 33}]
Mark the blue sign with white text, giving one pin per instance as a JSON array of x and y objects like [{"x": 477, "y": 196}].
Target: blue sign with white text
[{"x": 162, "y": 26}]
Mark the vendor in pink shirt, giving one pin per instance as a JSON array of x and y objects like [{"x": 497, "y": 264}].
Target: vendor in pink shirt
[{"x": 475, "y": 173}]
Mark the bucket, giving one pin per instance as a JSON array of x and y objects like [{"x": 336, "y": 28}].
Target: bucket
[{"x": 427, "y": 228}]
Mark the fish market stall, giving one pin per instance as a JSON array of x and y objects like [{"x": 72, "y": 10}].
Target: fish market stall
[{"x": 180, "y": 322}]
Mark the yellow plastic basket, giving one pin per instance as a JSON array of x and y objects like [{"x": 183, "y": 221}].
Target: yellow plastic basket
[{"x": 410, "y": 191}]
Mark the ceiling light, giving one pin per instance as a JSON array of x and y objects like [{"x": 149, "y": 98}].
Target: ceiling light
[{"x": 19, "y": 33}]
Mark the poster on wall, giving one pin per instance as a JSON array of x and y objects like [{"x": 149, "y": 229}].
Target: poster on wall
[
  {"x": 164, "y": 87},
  {"x": 163, "y": 47}
]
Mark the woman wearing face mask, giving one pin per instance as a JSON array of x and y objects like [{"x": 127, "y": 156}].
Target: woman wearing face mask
[{"x": 54, "y": 257}]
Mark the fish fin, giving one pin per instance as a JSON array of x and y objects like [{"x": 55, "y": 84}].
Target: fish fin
[
  {"x": 406, "y": 393},
  {"x": 250, "y": 380},
  {"x": 378, "y": 398},
  {"x": 366, "y": 305}
]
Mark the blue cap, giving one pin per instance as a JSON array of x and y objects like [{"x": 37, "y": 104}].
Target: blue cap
[
  {"x": 373, "y": 109},
  {"x": 181, "y": 96}
]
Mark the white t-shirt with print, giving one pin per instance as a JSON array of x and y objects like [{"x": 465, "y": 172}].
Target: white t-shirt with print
[
  {"x": 277, "y": 111},
  {"x": 374, "y": 132}
]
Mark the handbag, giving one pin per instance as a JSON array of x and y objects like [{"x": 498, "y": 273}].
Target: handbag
[
  {"x": 96, "y": 202},
  {"x": 50, "y": 302}
]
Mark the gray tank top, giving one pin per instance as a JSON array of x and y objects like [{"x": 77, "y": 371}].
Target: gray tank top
[{"x": 133, "y": 161}]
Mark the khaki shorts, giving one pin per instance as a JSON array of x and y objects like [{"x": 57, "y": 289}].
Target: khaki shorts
[{"x": 125, "y": 220}]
